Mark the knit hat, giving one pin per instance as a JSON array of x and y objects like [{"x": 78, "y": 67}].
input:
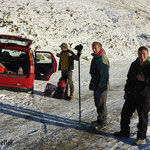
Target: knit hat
[{"x": 64, "y": 45}]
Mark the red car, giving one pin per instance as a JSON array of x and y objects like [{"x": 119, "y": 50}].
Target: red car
[{"x": 20, "y": 66}]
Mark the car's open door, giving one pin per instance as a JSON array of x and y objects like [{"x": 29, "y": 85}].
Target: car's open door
[{"x": 45, "y": 65}]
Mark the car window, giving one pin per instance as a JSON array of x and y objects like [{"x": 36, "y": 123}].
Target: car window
[
  {"x": 12, "y": 53},
  {"x": 43, "y": 58},
  {"x": 13, "y": 42}
]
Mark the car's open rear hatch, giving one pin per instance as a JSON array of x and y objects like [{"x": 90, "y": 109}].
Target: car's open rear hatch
[{"x": 14, "y": 42}]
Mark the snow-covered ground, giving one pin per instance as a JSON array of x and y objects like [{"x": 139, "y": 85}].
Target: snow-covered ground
[{"x": 44, "y": 123}]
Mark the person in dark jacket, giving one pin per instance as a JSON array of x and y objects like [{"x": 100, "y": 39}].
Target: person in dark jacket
[
  {"x": 137, "y": 97},
  {"x": 99, "y": 71},
  {"x": 66, "y": 65}
]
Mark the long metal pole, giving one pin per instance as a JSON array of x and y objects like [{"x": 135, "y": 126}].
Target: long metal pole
[{"x": 79, "y": 93}]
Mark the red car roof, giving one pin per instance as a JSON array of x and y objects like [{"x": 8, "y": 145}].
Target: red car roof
[{"x": 14, "y": 42}]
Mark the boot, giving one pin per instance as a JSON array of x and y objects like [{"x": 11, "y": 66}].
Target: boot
[
  {"x": 121, "y": 134},
  {"x": 72, "y": 96},
  {"x": 138, "y": 142}
]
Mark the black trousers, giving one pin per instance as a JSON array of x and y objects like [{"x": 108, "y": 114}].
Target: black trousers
[{"x": 142, "y": 105}]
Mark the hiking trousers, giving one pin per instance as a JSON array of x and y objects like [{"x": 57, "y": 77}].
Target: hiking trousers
[
  {"x": 100, "y": 104},
  {"x": 67, "y": 75},
  {"x": 141, "y": 104}
]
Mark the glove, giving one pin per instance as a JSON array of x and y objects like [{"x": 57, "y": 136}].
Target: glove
[
  {"x": 99, "y": 93},
  {"x": 79, "y": 47}
]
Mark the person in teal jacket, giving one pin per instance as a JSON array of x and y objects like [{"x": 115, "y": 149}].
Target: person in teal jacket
[{"x": 99, "y": 71}]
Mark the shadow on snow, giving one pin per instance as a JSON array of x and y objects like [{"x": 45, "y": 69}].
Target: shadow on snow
[
  {"x": 47, "y": 119},
  {"x": 54, "y": 120}
]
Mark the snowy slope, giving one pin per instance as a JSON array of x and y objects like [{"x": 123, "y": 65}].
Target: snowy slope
[
  {"x": 38, "y": 122},
  {"x": 118, "y": 25}
]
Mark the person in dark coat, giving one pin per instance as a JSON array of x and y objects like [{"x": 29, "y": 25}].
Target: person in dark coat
[
  {"x": 99, "y": 71},
  {"x": 137, "y": 97},
  {"x": 66, "y": 65}
]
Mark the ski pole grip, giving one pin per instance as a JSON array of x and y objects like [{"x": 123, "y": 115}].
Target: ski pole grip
[{"x": 79, "y": 47}]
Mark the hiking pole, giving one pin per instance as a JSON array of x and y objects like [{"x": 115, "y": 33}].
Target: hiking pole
[
  {"x": 79, "y": 48},
  {"x": 79, "y": 92}
]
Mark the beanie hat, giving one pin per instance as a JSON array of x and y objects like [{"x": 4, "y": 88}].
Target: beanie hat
[{"x": 64, "y": 45}]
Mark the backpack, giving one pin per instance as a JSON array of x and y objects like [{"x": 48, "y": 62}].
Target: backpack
[
  {"x": 60, "y": 90},
  {"x": 49, "y": 89}
]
